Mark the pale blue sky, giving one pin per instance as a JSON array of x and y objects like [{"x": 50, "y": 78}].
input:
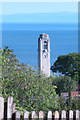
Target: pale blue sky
[
  {"x": 26, "y": 7},
  {"x": 39, "y": 0},
  {"x": 40, "y": 12}
]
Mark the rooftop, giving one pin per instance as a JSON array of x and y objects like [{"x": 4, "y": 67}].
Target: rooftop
[{"x": 44, "y": 35}]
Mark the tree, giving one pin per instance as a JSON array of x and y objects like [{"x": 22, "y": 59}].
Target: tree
[
  {"x": 64, "y": 84},
  {"x": 68, "y": 65},
  {"x": 29, "y": 89}
]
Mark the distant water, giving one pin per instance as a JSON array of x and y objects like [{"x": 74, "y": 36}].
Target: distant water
[{"x": 23, "y": 39}]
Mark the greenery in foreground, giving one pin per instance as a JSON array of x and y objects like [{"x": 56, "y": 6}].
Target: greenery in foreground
[
  {"x": 33, "y": 91},
  {"x": 30, "y": 90},
  {"x": 68, "y": 66}
]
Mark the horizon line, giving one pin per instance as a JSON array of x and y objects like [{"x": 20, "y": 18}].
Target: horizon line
[{"x": 39, "y": 13}]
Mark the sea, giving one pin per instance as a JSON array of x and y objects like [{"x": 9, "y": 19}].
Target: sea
[{"x": 23, "y": 39}]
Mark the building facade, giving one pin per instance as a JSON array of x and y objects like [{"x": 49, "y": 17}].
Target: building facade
[{"x": 44, "y": 54}]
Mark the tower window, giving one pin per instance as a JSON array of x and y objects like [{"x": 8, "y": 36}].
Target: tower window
[
  {"x": 45, "y": 46},
  {"x": 45, "y": 41}
]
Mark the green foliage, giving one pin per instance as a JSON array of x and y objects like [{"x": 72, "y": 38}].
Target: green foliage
[
  {"x": 67, "y": 64},
  {"x": 31, "y": 90},
  {"x": 62, "y": 104},
  {"x": 64, "y": 84},
  {"x": 75, "y": 103}
]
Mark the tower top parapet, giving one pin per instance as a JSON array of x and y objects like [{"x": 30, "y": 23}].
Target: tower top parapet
[{"x": 43, "y": 35}]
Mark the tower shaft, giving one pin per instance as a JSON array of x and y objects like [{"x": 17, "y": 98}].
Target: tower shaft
[{"x": 44, "y": 54}]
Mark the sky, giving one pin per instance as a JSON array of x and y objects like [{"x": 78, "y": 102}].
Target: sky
[
  {"x": 39, "y": 12},
  {"x": 39, "y": 0},
  {"x": 42, "y": 7}
]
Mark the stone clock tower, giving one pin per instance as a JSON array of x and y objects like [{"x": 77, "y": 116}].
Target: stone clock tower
[{"x": 44, "y": 54}]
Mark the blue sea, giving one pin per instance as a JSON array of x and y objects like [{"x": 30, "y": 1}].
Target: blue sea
[{"x": 23, "y": 39}]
